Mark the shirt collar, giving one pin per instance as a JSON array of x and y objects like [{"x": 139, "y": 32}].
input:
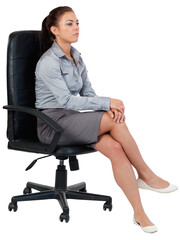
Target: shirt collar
[{"x": 59, "y": 52}]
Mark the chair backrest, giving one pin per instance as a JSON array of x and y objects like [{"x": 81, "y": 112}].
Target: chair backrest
[{"x": 22, "y": 56}]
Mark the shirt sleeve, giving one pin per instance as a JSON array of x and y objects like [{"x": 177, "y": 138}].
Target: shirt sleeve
[{"x": 52, "y": 78}]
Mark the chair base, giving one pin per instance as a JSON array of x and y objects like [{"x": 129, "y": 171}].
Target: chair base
[{"x": 60, "y": 192}]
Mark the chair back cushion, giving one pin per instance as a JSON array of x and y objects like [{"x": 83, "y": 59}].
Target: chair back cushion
[{"x": 22, "y": 56}]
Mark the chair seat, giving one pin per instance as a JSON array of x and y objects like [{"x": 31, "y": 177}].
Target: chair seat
[
  {"x": 37, "y": 147},
  {"x": 73, "y": 150}
]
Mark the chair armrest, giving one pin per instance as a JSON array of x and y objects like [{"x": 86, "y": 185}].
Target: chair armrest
[
  {"x": 51, "y": 123},
  {"x": 36, "y": 113}
]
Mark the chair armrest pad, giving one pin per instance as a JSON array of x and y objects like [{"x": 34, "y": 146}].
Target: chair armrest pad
[{"x": 37, "y": 114}]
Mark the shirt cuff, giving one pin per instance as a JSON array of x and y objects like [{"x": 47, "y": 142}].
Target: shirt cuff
[{"x": 104, "y": 103}]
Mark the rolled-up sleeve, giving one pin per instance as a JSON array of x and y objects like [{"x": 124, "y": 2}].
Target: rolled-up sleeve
[{"x": 51, "y": 75}]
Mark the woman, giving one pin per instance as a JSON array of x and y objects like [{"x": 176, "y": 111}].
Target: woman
[{"x": 60, "y": 76}]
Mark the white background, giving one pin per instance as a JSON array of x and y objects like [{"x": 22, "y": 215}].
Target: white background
[{"x": 132, "y": 52}]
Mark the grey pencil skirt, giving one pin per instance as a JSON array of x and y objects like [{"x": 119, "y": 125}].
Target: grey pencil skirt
[{"x": 79, "y": 128}]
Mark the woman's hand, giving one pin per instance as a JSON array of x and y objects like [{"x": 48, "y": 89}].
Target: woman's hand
[
  {"x": 116, "y": 115},
  {"x": 117, "y": 110},
  {"x": 117, "y": 104}
]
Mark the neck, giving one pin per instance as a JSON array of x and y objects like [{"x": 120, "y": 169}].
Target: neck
[{"x": 66, "y": 47}]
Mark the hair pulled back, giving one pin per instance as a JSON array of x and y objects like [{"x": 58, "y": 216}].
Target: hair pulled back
[{"x": 47, "y": 37}]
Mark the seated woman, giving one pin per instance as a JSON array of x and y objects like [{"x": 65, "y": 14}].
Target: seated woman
[{"x": 60, "y": 76}]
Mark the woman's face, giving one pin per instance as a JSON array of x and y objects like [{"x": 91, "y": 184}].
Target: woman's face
[{"x": 68, "y": 28}]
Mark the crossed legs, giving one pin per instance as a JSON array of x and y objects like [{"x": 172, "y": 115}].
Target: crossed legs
[{"x": 116, "y": 143}]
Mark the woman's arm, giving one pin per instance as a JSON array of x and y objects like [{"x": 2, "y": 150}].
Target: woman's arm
[
  {"x": 49, "y": 72},
  {"x": 87, "y": 90}
]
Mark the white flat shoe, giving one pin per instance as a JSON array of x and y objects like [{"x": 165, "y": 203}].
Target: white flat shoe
[
  {"x": 148, "y": 229},
  {"x": 143, "y": 185}
]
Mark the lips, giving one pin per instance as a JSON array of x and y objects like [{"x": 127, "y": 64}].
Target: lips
[{"x": 76, "y": 34}]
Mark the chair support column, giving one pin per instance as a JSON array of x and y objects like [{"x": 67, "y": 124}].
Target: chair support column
[{"x": 61, "y": 176}]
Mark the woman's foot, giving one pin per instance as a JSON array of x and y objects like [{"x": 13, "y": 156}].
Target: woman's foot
[
  {"x": 142, "y": 219},
  {"x": 148, "y": 229},
  {"x": 144, "y": 185},
  {"x": 155, "y": 182}
]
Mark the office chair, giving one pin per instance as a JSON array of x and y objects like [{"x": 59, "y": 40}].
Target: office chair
[{"x": 22, "y": 56}]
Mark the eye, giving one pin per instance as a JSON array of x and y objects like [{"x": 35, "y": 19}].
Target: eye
[{"x": 70, "y": 24}]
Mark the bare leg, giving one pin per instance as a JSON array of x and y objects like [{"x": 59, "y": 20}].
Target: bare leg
[
  {"x": 123, "y": 174},
  {"x": 122, "y": 135}
]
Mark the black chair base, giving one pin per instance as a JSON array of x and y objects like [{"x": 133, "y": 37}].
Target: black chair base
[{"x": 60, "y": 192}]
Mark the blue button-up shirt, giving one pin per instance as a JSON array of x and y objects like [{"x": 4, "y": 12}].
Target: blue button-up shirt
[{"x": 59, "y": 81}]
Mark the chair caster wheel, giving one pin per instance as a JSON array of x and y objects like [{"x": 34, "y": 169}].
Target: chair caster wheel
[
  {"x": 64, "y": 216},
  {"x": 27, "y": 190},
  {"x": 107, "y": 205},
  {"x": 12, "y": 206}
]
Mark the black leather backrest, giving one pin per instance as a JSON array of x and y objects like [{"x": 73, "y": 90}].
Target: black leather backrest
[{"x": 23, "y": 54}]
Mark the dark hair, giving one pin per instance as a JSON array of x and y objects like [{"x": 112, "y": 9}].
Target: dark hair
[{"x": 47, "y": 37}]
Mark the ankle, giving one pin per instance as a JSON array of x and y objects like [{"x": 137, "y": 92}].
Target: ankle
[
  {"x": 138, "y": 211},
  {"x": 146, "y": 175}
]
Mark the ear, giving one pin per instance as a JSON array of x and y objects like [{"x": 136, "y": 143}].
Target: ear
[{"x": 54, "y": 30}]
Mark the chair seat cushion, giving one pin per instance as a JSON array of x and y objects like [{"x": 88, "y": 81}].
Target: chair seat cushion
[{"x": 37, "y": 147}]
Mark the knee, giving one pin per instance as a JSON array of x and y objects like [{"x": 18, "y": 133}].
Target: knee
[
  {"x": 109, "y": 147},
  {"x": 110, "y": 122},
  {"x": 117, "y": 155},
  {"x": 114, "y": 146}
]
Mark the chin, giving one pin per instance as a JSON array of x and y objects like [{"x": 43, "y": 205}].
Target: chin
[{"x": 74, "y": 41}]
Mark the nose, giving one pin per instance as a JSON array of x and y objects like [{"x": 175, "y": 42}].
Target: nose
[{"x": 76, "y": 27}]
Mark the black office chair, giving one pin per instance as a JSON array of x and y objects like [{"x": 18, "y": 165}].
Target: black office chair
[{"x": 22, "y": 56}]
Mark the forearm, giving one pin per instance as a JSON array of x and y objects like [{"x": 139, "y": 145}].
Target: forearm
[{"x": 86, "y": 103}]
